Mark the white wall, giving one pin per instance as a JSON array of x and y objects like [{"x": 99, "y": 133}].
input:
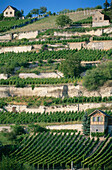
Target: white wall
[{"x": 16, "y": 49}]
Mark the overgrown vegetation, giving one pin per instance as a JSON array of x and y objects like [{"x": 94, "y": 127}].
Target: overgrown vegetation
[
  {"x": 35, "y": 101},
  {"x": 96, "y": 77},
  {"x": 8, "y": 61}
]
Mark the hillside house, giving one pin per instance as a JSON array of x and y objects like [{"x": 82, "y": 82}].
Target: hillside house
[
  {"x": 9, "y": 11},
  {"x": 100, "y": 121},
  {"x": 99, "y": 20}
]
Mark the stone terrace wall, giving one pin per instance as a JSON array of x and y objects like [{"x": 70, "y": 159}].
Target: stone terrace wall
[
  {"x": 103, "y": 45},
  {"x": 27, "y": 35},
  {"x": 41, "y": 109},
  {"x": 16, "y": 49},
  {"x": 54, "y": 91},
  {"x": 41, "y": 75},
  {"x": 4, "y": 76},
  {"x": 100, "y": 24},
  {"x": 98, "y": 32},
  {"x": 6, "y": 37}
]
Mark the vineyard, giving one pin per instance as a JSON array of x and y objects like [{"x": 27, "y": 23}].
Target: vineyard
[
  {"x": 50, "y": 150},
  {"x": 28, "y": 118},
  {"x": 36, "y": 101},
  {"x": 102, "y": 38},
  {"x": 12, "y": 24},
  {"x": 19, "y": 42},
  {"x": 84, "y": 54}
]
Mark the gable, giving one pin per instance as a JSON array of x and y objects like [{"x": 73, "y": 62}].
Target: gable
[
  {"x": 10, "y": 8},
  {"x": 98, "y": 14},
  {"x": 98, "y": 112}
]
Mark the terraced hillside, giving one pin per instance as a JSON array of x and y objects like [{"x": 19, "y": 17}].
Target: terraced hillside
[
  {"x": 49, "y": 22},
  {"x": 57, "y": 150}
]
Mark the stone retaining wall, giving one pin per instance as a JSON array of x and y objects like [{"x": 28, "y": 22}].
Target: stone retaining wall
[
  {"x": 59, "y": 108},
  {"x": 101, "y": 45},
  {"x": 54, "y": 91},
  {"x": 16, "y": 49},
  {"x": 59, "y": 127}
]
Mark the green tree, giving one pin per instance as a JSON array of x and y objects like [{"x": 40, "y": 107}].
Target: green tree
[
  {"x": 22, "y": 12},
  {"x": 43, "y": 10},
  {"x": 1, "y": 16},
  {"x": 111, "y": 4},
  {"x": 86, "y": 124},
  {"x": 94, "y": 78},
  {"x": 98, "y": 76},
  {"x": 71, "y": 67},
  {"x": 36, "y": 128},
  {"x": 18, "y": 14},
  {"x": 98, "y": 7},
  {"x": 63, "y": 20},
  {"x": 106, "y": 5},
  {"x": 35, "y": 11},
  {"x": 80, "y": 9},
  {"x": 29, "y": 15}
]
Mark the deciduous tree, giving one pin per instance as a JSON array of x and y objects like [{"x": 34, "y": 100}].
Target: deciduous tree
[
  {"x": 86, "y": 124},
  {"x": 106, "y": 5},
  {"x": 63, "y": 20},
  {"x": 71, "y": 67}
]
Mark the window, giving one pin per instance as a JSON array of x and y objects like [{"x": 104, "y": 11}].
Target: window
[
  {"x": 95, "y": 18},
  {"x": 6, "y": 13},
  {"x": 101, "y": 119},
  {"x": 96, "y": 130},
  {"x": 105, "y": 119},
  {"x": 10, "y": 12},
  {"x": 100, "y": 18},
  {"x": 94, "y": 119},
  {"x": 98, "y": 119}
]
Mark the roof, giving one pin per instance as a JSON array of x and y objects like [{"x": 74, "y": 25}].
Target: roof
[
  {"x": 11, "y": 7},
  {"x": 100, "y": 112},
  {"x": 97, "y": 13}
]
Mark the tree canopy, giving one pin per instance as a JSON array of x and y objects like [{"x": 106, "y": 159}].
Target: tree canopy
[
  {"x": 34, "y": 11},
  {"x": 43, "y": 10},
  {"x": 71, "y": 67},
  {"x": 63, "y": 20},
  {"x": 98, "y": 76},
  {"x": 86, "y": 124},
  {"x": 106, "y": 5}
]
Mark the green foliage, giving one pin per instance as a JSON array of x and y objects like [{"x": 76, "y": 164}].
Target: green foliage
[
  {"x": 33, "y": 86},
  {"x": 36, "y": 128},
  {"x": 71, "y": 67},
  {"x": 29, "y": 15},
  {"x": 1, "y": 16},
  {"x": 86, "y": 124},
  {"x": 11, "y": 164},
  {"x": 97, "y": 134},
  {"x": 52, "y": 117},
  {"x": 102, "y": 38},
  {"x": 34, "y": 11},
  {"x": 15, "y": 133},
  {"x": 84, "y": 21},
  {"x": 63, "y": 20},
  {"x": 97, "y": 77},
  {"x": 9, "y": 23},
  {"x": 43, "y": 10},
  {"x": 106, "y": 5},
  {"x": 18, "y": 14},
  {"x": 56, "y": 151},
  {"x": 98, "y": 7}
]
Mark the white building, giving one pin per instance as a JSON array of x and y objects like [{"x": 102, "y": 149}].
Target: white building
[{"x": 9, "y": 11}]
